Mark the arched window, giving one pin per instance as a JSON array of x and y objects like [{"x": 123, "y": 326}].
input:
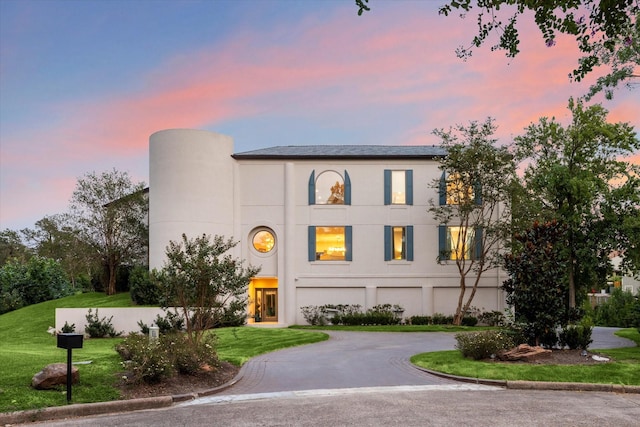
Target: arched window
[{"x": 329, "y": 188}]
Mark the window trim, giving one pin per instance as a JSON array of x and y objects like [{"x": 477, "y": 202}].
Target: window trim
[
  {"x": 388, "y": 242},
  {"x": 348, "y": 243},
  {"x": 408, "y": 187},
  {"x": 346, "y": 180},
  {"x": 475, "y": 250},
  {"x": 442, "y": 191}
]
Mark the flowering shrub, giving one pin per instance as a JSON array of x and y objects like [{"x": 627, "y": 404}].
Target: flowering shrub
[
  {"x": 481, "y": 345},
  {"x": 315, "y": 315},
  {"x": 146, "y": 360},
  {"x": 153, "y": 361}
]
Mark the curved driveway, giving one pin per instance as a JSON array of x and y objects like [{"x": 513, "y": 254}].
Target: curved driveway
[{"x": 359, "y": 359}]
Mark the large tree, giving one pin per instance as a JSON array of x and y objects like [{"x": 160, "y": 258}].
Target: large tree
[
  {"x": 111, "y": 215},
  {"x": 605, "y": 32},
  {"x": 473, "y": 211},
  {"x": 578, "y": 175}
]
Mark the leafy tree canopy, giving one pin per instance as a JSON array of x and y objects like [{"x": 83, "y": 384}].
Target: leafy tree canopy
[{"x": 606, "y": 32}]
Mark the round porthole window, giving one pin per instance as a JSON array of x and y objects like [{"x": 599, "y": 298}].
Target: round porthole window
[{"x": 263, "y": 241}]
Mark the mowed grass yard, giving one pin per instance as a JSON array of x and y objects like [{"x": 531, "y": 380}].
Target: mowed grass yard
[{"x": 27, "y": 348}]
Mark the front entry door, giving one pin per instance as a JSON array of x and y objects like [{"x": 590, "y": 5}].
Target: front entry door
[{"x": 267, "y": 304}]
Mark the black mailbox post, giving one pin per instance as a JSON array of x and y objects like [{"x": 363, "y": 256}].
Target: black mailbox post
[{"x": 69, "y": 341}]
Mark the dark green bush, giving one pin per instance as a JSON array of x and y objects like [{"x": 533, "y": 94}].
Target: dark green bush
[
  {"x": 99, "y": 328},
  {"x": 482, "y": 344},
  {"x": 441, "y": 319},
  {"x": 621, "y": 310},
  {"x": 492, "y": 318},
  {"x": 68, "y": 328},
  {"x": 576, "y": 336},
  {"x": 469, "y": 321},
  {"x": 420, "y": 320},
  {"x": 143, "y": 289}
]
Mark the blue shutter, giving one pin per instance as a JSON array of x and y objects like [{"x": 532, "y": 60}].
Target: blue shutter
[
  {"x": 312, "y": 188},
  {"x": 347, "y": 188},
  {"x": 478, "y": 241},
  {"x": 477, "y": 192},
  {"x": 409, "y": 243},
  {"x": 387, "y": 187},
  {"x": 312, "y": 243},
  {"x": 388, "y": 246},
  {"x": 442, "y": 190},
  {"x": 408, "y": 187},
  {"x": 348, "y": 243},
  {"x": 442, "y": 243}
]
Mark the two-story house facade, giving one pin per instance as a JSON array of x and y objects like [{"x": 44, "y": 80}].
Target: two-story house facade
[{"x": 329, "y": 224}]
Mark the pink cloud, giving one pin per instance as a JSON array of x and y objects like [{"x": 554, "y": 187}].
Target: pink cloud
[{"x": 335, "y": 67}]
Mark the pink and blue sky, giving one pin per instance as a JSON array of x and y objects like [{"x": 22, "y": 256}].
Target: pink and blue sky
[{"x": 84, "y": 83}]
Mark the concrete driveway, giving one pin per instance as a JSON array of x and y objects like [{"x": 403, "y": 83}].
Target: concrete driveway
[{"x": 360, "y": 359}]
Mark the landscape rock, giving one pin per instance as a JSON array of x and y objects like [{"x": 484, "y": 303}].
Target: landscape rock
[
  {"x": 54, "y": 375},
  {"x": 524, "y": 352}
]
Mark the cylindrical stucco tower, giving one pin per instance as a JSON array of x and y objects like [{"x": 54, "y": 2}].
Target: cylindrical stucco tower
[{"x": 190, "y": 187}]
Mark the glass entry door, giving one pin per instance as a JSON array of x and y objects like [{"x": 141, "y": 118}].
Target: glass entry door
[{"x": 267, "y": 305}]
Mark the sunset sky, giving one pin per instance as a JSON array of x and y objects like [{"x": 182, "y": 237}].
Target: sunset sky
[{"x": 84, "y": 83}]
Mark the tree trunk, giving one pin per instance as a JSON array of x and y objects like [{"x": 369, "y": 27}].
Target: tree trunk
[
  {"x": 111, "y": 288},
  {"x": 457, "y": 319}
]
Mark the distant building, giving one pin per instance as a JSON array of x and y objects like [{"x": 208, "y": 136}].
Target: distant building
[
  {"x": 329, "y": 224},
  {"x": 627, "y": 281}
]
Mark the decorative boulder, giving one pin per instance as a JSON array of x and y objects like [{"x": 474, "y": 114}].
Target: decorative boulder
[
  {"x": 525, "y": 353},
  {"x": 54, "y": 375}
]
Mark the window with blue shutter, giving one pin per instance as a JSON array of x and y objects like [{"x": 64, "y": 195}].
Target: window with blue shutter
[
  {"x": 330, "y": 243},
  {"x": 398, "y": 187},
  {"x": 398, "y": 243}
]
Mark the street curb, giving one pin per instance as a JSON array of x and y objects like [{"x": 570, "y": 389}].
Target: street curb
[
  {"x": 99, "y": 408},
  {"x": 540, "y": 385}
]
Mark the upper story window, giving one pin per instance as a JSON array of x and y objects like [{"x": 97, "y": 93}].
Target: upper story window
[
  {"x": 398, "y": 187},
  {"x": 398, "y": 243},
  {"x": 329, "y": 188},
  {"x": 454, "y": 190},
  {"x": 457, "y": 243},
  {"x": 330, "y": 243}
]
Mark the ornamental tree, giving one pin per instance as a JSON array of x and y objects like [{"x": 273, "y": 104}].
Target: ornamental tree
[
  {"x": 201, "y": 280},
  {"x": 473, "y": 212}
]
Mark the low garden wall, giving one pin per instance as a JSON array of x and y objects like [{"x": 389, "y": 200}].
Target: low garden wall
[{"x": 124, "y": 320}]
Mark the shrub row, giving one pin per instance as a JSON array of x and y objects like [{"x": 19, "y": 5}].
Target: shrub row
[{"x": 352, "y": 314}]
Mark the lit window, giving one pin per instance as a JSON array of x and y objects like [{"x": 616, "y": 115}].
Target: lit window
[
  {"x": 398, "y": 243},
  {"x": 457, "y": 243},
  {"x": 454, "y": 190},
  {"x": 330, "y": 243},
  {"x": 329, "y": 189},
  {"x": 398, "y": 187},
  {"x": 263, "y": 241}
]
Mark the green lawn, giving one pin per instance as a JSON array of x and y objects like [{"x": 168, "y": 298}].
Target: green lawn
[
  {"x": 27, "y": 348},
  {"x": 624, "y": 370}
]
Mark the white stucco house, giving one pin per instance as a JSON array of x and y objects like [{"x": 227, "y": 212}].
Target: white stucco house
[{"x": 329, "y": 224}]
